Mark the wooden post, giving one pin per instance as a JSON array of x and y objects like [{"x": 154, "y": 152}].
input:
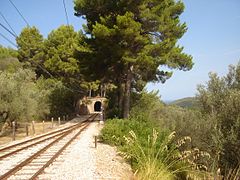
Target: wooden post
[
  {"x": 95, "y": 141},
  {"x": 52, "y": 122},
  {"x": 67, "y": 117},
  {"x": 33, "y": 128},
  {"x": 26, "y": 127},
  {"x": 14, "y": 130},
  {"x": 43, "y": 124},
  {"x": 59, "y": 121}
]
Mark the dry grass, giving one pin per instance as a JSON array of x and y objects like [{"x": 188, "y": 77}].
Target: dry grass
[{"x": 21, "y": 131}]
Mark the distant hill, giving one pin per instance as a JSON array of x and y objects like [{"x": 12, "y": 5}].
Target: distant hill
[
  {"x": 188, "y": 102},
  {"x": 167, "y": 101}
]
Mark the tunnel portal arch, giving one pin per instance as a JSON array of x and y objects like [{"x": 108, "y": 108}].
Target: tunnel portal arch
[{"x": 97, "y": 106}]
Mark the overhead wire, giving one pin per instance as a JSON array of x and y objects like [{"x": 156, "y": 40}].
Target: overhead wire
[
  {"x": 8, "y": 40},
  {"x": 51, "y": 75},
  {"x": 64, "y": 5},
  {"x": 67, "y": 19},
  {"x": 19, "y": 12},
  {"x": 37, "y": 64},
  {"x": 8, "y": 24},
  {"x": 70, "y": 89},
  {"x": 8, "y": 30},
  {"x": 14, "y": 34},
  {"x": 45, "y": 70}
]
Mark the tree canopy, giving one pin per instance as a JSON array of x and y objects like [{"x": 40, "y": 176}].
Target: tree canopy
[
  {"x": 31, "y": 49},
  {"x": 7, "y": 52},
  {"x": 130, "y": 40},
  {"x": 22, "y": 98},
  {"x": 60, "y": 46},
  {"x": 8, "y": 59},
  {"x": 220, "y": 100}
]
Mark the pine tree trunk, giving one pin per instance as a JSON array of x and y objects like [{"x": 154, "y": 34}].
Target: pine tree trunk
[
  {"x": 90, "y": 93},
  {"x": 101, "y": 91},
  {"x": 104, "y": 90},
  {"x": 120, "y": 99},
  {"x": 127, "y": 92}
]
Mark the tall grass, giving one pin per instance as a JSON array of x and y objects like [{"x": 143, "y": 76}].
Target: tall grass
[
  {"x": 233, "y": 174},
  {"x": 151, "y": 160},
  {"x": 154, "y": 154}
]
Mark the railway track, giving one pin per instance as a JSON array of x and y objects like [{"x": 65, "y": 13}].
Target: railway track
[{"x": 28, "y": 159}]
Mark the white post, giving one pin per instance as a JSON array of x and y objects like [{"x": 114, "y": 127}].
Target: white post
[
  {"x": 43, "y": 123},
  {"x": 14, "y": 130},
  {"x": 52, "y": 122}
]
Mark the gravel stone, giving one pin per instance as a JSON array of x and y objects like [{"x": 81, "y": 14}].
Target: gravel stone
[{"x": 84, "y": 161}]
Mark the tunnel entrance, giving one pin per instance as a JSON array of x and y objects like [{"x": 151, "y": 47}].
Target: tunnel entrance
[{"x": 97, "y": 106}]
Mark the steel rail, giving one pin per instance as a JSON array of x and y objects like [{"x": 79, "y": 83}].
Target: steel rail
[
  {"x": 38, "y": 153},
  {"x": 35, "y": 138},
  {"x": 23, "y": 163},
  {"x": 30, "y": 145},
  {"x": 57, "y": 154}
]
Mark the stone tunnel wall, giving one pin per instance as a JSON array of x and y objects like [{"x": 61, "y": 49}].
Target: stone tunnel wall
[{"x": 90, "y": 105}]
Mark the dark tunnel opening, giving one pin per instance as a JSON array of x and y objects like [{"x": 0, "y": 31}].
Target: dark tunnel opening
[{"x": 97, "y": 106}]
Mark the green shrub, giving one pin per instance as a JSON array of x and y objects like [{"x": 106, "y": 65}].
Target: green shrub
[
  {"x": 185, "y": 122},
  {"x": 152, "y": 159},
  {"x": 165, "y": 157},
  {"x": 115, "y": 130},
  {"x": 220, "y": 103},
  {"x": 150, "y": 153}
]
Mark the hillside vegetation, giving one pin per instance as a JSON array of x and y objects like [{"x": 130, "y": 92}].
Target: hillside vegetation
[
  {"x": 188, "y": 102},
  {"x": 170, "y": 142},
  {"x": 124, "y": 45}
]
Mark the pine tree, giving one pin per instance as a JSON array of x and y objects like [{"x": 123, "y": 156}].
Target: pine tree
[
  {"x": 131, "y": 39},
  {"x": 60, "y": 46},
  {"x": 31, "y": 49}
]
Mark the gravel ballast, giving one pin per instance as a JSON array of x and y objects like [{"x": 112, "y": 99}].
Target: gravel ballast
[{"x": 83, "y": 161}]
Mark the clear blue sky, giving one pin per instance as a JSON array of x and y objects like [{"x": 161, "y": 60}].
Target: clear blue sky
[{"x": 213, "y": 36}]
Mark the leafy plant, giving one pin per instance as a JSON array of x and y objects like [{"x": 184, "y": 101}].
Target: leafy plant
[
  {"x": 220, "y": 102},
  {"x": 130, "y": 41},
  {"x": 152, "y": 154},
  {"x": 155, "y": 160}
]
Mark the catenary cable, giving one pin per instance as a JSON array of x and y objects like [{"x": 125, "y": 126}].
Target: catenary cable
[
  {"x": 19, "y": 12},
  {"x": 8, "y": 24}
]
